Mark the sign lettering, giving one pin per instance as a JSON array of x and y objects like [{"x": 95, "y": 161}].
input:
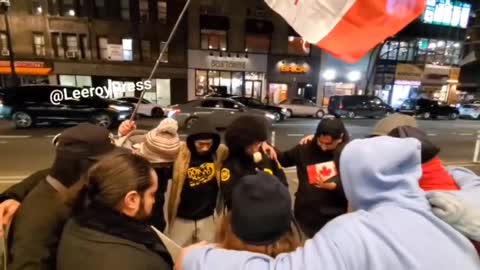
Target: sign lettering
[
  {"x": 293, "y": 69},
  {"x": 217, "y": 64}
]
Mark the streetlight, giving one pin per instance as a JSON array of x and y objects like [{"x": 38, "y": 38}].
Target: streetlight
[{"x": 4, "y": 7}]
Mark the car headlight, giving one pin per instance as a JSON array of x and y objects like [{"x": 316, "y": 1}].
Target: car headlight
[
  {"x": 270, "y": 116},
  {"x": 119, "y": 108},
  {"x": 284, "y": 110}
]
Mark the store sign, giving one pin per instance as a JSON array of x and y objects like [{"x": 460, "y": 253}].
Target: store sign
[
  {"x": 227, "y": 64},
  {"x": 454, "y": 74},
  {"x": 293, "y": 69},
  {"x": 407, "y": 72},
  {"x": 115, "y": 52},
  {"x": 24, "y": 64}
]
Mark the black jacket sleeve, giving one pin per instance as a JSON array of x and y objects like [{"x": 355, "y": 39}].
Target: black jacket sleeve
[
  {"x": 289, "y": 158},
  {"x": 230, "y": 175},
  {"x": 19, "y": 191}
]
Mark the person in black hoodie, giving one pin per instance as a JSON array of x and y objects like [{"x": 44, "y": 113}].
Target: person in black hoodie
[
  {"x": 195, "y": 185},
  {"x": 109, "y": 228},
  {"x": 244, "y": 138},
  {"x": 317, "y": 201}
]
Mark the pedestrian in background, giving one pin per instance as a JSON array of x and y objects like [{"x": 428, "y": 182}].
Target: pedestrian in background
[
  {"x": 195, "y": 191},
  {"x": 244, "y": 138},
  {"x": 109, "y": 228}
]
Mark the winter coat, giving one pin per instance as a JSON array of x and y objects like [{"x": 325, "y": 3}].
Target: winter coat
[
  {"x": 108, "y": 240},
  {"x": 19, "y": 191}
]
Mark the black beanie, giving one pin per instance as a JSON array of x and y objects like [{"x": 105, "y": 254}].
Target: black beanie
[
  {"x": 244, "y": 131},
  {"x": 332, "y": 127},
  {"x": 261, "y": 209},
  {"x": 429, "y": 150},
  {"x": 77, "y": 149}
]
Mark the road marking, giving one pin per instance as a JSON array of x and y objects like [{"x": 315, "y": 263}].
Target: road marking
[
  {"x": 432, "y": 134},
  {"x": 465, "y": 134},
  {"x": 295, "y": 135},
  {"x": 50, "y": 136},
  {"x": 296, "y": 125},
  {"x": 10, "y": 182},
  {"x": 3, "y": 142},
  {"x": 15, "y": 137}
]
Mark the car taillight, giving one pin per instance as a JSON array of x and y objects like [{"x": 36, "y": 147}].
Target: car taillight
[{"x": 340, "y": 106}]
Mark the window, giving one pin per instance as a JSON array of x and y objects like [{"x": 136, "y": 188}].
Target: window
[
  {"x": 58, "y": 45},
  {"x": 4, "y": 44},
  {"x": 72, "y": 45},
  {"x": 257, "y": 43},
  {"x": 165, "y": 54},
  {"x": 37, "y": 8},
  {"x": 85, "y": 47},
  {"x": 162, "y": 11},
  {"x": 125, "y": 9},
  {"x": 200, "y": 82},
  {"x": 100, "y": 10},
  {"x": 214, "y": 40},
  {"x": 298, "y": 46},
  {"x": 102, "y": 48},
  {"x": 230, "y": 105},
  {"x": 237, "y": 83},
  {"x": 127, "y": 49},
  {"x": 68, "y": 8},
  {"x": 53, "y": 6},
  {"x": 210, "y": 104},
  {"x": 146, "y": 50},
  {"x": 403, "y": 51},
  {"x": 144, "y": 16},
  {"x": 39, "y": 44}
]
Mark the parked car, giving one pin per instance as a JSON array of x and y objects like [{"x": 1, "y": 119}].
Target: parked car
[
  {"x": 470, "y": 111},
  {"x": 147, "y": 108},
  {"x": 279, "y": 113},
  {"x": 353, "y": 106},
  {"x": 428, "y": 109},
  {"x": 29, "y": 105},
  {"x": 222, "y": 111},
  {"x": 302, "y": 107}
]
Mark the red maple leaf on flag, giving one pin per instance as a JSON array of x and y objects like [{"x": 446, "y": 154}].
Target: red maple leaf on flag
[{"x": 325, "y": 172}]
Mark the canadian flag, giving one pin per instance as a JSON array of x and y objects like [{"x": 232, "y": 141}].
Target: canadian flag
[{"x": 348, "y": 29}]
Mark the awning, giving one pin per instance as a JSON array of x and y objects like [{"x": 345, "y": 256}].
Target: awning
[{"x": 26, "y": 71}]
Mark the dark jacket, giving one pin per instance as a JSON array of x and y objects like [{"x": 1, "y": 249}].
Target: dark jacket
[
  {"x": 37, "y": 228},
  {"x": 314, "y": 207},
  {"x": 104, "y": 239},
  {"x": 20, "y": 190},
  {"x": 239, "y": 165},
  {"x": 164, "y": 173}
]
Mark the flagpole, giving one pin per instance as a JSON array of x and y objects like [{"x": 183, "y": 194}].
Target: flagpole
[{"x": 152, "y": 73}]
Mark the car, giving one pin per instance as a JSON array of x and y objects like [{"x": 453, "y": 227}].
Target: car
[
  {"x": 470, "y": 111},
  {"x": 353, "y": 106},
  {"x": 147, "y": 108},
  {"x": 279, "y": 113},
  {"x": 428, "y": 109},
  {"x": 221, "y": 111},
  {"x": 29, "y": 105},
  {"x": 302, "y": 107}
]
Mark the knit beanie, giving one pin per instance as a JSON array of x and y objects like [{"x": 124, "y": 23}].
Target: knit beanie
[
  {"x": 387, "y": 124},
  {"x": 161, "y": 144}
]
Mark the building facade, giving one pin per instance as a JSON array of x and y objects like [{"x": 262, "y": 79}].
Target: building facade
[
  {"x": 248, "y": 50},
  {"x": 469, "y": 75},
  {"x": 96, "y": 43}
]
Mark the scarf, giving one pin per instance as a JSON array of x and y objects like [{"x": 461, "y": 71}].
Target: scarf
[{"x": 435, "y": 177}]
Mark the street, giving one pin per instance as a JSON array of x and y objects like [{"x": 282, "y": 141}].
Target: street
[{"x": 25, "y": 151}]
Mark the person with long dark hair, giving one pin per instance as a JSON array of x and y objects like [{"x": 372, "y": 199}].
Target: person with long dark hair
[{"x": 109, "y": 228}]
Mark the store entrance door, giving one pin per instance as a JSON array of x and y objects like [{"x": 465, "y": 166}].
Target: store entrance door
[{"x": 253, "y": 89}]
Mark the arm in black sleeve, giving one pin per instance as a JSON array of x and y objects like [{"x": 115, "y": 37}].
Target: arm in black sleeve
[
  {"x": 230, "y": 176},
  {"x": 19, "y": 191},
  {"x": 289, "y": 158}
]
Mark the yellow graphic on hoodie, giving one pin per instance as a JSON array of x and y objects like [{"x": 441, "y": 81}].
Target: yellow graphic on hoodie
[
  {"x": 201, "y": 175},
  {"x": 225, "y": 174}
]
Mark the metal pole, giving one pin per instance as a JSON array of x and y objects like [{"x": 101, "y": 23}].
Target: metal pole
[
  {"x": 477, "y": 149},
  {"x": 174, "y": 29},
  {"x": 10, "y": 50},
  {"x": 273, "y": 138}
]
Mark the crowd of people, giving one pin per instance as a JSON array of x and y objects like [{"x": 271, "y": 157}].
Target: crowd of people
[{"x": 382, "y": 202}]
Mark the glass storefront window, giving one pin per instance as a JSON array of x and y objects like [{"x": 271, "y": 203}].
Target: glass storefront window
[
  {"x": 225, "y": 80},
  {"x": 257, "y": 43},
  {"x": 253, "y": 76},
  {"x": 237, "y": 83},
  {"x": 403, "y": 51},
  {"x": 201, "y": 83},
  {"x": 393, "y": 50},
  {"x": 213, "y": 78},
  {"x": 298, "y": 46}
]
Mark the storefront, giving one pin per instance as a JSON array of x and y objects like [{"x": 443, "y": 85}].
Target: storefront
[
  {"x": 28, "y": 72},
  {"x": 290, "y": 77},
  {"x": 241, "y": 74}
]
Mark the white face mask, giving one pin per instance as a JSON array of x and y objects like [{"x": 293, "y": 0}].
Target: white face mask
[{"x": 257, "y": 157}]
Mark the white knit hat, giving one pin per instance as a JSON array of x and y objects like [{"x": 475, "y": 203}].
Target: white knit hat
[{"x": 161, "y": 144}]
